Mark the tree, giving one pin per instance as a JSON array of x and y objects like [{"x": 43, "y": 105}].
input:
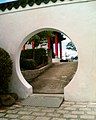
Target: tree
[
  {"x": 34, "y": 40},
  {"x": 71, "y": 46}
]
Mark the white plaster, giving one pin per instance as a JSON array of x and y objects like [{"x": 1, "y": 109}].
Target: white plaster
[{"x": 77, "y": 20}]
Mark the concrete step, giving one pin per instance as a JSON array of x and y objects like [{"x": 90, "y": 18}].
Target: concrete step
[{"x": 44, "y": 100}]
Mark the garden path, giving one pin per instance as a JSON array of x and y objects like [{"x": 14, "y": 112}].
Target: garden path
[{"x": 53, "y": 80}]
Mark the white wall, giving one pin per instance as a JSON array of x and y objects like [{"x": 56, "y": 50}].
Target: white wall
[{"x": 77, "y": 20}]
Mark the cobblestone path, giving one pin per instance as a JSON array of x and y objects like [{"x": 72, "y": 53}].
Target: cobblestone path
[
  {"x": 67, "y": 111},
  {"x": 55, "y": 78}
]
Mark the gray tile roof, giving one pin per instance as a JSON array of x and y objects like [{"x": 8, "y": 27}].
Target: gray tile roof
[{"x": 23, "y": 3}]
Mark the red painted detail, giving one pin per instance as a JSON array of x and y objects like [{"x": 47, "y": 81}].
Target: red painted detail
[
  {"x": 56, "y": 45},
  {"x": 33, "y": 44},
  {"x": 23, "y": 47}
]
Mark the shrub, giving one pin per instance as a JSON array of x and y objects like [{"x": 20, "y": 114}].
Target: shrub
[
  {"x": 40, "y": 56},
  {"x": 27, "y": 54},
  {"x": 26, "y": 58},
  {"x": 27, "y": 64},
  {"x": 5, "y": 70}
]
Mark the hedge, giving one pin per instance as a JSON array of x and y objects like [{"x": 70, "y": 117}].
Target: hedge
[
  {"x": 5, "y": 70},
  {"x": 32, "y": 58},
  {"x": 27, "y": 64}
]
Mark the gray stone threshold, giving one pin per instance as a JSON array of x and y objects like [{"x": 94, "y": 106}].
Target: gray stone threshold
[{"x": 44, "y": 100}]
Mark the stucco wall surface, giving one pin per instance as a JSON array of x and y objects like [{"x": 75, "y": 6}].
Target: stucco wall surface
[{"x": 77, "y": 20}]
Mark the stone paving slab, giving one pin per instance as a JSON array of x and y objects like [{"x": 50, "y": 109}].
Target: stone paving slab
[
  {"x": 44, "y": 100},
  {"x": 67, "y": 111}
]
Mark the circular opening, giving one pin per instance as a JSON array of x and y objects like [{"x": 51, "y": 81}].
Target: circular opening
[{"x": 48, "y": 60}]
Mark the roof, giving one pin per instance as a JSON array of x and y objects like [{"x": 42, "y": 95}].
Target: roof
[{"x": 23, "y": 3}]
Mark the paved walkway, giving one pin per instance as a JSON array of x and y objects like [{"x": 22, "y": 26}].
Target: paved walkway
[
  {"x": 67, "y": 111},
  {"x": 55, "y": 78}
]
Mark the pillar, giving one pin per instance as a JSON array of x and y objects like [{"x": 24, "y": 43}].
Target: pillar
[
  {"x": 56, "y": 44},
  {"x": 23, "y": 47},
  {"x": 60, "y": 49},
  {"x": 33, "y": 44}
]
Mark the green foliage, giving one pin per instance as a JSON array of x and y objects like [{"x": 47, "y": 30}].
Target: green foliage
[
  {"x": 40, "y": 56},
  {"x": 46, "y": 33},
  {"x": 5, "y": 70},
  {"x": 27, "y": 64},
  {"x": 27, "y": 61},
  {"x": 36, "y": 40},
  {"x": 27, "y": 54},
  {"x": 71, "y": 46},
  {"x": 40, "y": 37}
]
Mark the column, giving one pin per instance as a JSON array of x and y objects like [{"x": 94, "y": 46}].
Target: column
[
  {"x": 60, "y": 49},
  {"x": 56, "y": 44},
  {"x": 23, "y": 47},
  {"x": 33, "y": 44}
]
